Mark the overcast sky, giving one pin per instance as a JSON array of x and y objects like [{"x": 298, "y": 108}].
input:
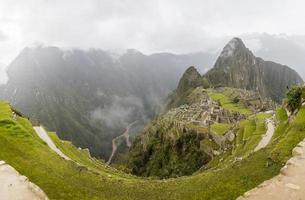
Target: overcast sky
[{"x": 177, "y": 26}]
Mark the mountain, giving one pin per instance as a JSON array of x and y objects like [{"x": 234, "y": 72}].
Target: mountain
[
  {"x": 189, "y": 80},
  {"x": 204, "y": 112},
  {"x": 89, "y": 97},
  {"x": 238, "y": 67},
  {"x": 274, "y": 47},
  {"x": 223, "y": 141},
  {"x": 187, "y": 138}
]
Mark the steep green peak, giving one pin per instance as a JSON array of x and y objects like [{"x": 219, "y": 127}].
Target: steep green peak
[
  {"x": 191, "y": 74},
  {"x": 190, "y": 79},
  {"x": 191, "y": 70}
]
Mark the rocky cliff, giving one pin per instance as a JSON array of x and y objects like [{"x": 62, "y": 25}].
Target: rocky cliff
[{"x": 238, "y": 67}]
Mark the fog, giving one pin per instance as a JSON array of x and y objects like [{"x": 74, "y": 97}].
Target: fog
[
  {"x": 120, "y": 112},
  {"x": 175, "y": 26}
]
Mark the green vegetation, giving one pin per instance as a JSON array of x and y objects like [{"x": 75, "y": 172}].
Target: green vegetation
[
  {"x": 220, "y": 128},
  {"x": 225, "y": 177},
  {"x": 291, "y": 135},
  {"x": 168, "y": 149},
  {"x": 227, "y": 102},
  {"x": 82, "y": 156},
  {"x": 189, "y": 81},
  {"x": 294, "y": 98},
  {"x": 249, "y": 134}
]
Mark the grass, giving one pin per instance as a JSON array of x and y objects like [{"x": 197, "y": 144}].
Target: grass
[
  {"x": 227, "y": 103},
  {"x": 220, "y": 128},
  {"x": 249, "y": 134},
  {"x": 83, "y": 157},
  {"x": 292, "y": 135},
  {"x": 60, "y": 179}
]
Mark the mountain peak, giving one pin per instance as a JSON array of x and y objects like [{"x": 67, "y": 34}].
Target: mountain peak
[
  {"x": 232, "y": 46},
  {"x": 191, "y": 70},
  {"x": 190, "y": 79},
  {"x": 238, "y": 67}
]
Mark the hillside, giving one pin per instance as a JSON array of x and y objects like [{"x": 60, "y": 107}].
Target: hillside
[
  {"x": 188, "y": 137},
  {"x": 211, "y": 142},
  {"x": 201, "y": 117},
  {"x": 89, "y": 97},
  {"x": 227, "y": 176}
]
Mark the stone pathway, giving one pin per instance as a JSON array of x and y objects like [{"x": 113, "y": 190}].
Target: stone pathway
[
  {"x": 41, "y": 132},
  {"x": 14, "y": 186},
  {"x": 267, "y": 137},
  {"x": 288, "y": 185}
]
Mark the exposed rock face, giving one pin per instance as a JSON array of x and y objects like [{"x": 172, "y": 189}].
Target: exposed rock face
[{"x": 238, "y": 67}]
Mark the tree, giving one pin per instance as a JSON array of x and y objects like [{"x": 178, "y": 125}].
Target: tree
[{"x": 294, "y": 98}]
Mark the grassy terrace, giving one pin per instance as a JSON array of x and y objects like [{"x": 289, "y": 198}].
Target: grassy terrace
[
  {"x": 225, "y": 179},
  {"x": 227, "y": 103},
  {"x": 220, "y": 128}
]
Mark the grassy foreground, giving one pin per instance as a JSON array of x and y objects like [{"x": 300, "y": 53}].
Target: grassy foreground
[{"x": 227, "y": 178}]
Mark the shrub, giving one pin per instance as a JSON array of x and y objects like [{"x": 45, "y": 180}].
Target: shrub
[{"x": 294, "y": 98}]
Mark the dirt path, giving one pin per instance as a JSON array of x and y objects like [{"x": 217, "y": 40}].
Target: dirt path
[
  {"x": 267, "y": 137},
  {"x": 114, "y": 145},
  {"x": 14, "y": 186},
  {"x": 289, "y": 185},
  {"x": 41, "y": 132}
]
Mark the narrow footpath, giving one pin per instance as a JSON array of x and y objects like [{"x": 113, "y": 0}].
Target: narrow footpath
[
  {"x": 42, "y": 133},
  {"x": 267, "y": 137}
]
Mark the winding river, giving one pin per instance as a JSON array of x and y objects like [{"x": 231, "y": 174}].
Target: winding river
[{"x": 127, "y": 139}]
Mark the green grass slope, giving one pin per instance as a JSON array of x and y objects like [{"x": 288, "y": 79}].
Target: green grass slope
[{"x": 226, "y": 178}]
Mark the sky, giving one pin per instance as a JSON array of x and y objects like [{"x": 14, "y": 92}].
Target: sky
[{"x": 178, "y": 26}]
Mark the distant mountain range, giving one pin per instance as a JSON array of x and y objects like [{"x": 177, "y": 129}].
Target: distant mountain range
[
  {"x": 89, "y": 97},
  {"x": 221, "y": 132}
]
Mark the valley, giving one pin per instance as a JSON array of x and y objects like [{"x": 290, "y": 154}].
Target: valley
[
  {"x": 116, "y": 141},
  {"x": 215, "y": 138},
  {"x": 88, "y": 96},
  {"x": 237, "y": 175},
  {"x": 152, "y": 100}
]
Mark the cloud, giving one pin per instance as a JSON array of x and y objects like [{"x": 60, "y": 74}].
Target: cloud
[
  {"x": 3, "y": 74},
  {"x": 177, "y": 26},
  {"x": 3, "y": 37},
  {"x": 120, "y": 112}
]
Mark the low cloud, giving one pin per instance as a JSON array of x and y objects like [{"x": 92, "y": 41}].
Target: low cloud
[
  {"x": 120, "y": 112},
  {"x": 3, "y": 37}
]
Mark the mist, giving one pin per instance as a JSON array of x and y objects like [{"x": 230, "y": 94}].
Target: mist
[
  {"x": 178, "y": 26},
  {"x": 119, "y": 112}
]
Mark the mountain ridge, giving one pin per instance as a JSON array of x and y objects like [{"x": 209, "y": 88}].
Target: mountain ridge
[
  {"x": 89, "y": 90},
  {"x": 238, "y": 67}
]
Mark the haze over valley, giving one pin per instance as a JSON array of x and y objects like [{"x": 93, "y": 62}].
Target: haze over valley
[{"x": 152, "y": 100}]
